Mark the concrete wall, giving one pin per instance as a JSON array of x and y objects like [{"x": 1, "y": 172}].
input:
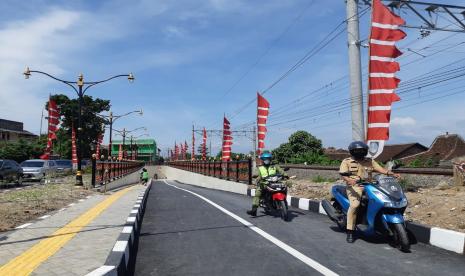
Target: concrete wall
[
  {"x": 129, "y": 179},
  {"x": 198, "y": 179}
]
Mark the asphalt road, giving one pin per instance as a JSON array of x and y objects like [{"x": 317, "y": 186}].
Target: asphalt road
[{"x": 183, "y": 234}]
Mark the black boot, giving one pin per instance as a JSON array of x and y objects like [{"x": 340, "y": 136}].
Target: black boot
[
  {"x": 252, "y": 212},
  {"x": 350, "y": 236}
]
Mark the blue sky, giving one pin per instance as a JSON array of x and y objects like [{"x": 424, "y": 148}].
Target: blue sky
[{"x": 187, "y": 54}]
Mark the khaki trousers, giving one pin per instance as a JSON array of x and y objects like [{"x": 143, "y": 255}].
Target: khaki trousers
[{"x": 354, "y": 193}]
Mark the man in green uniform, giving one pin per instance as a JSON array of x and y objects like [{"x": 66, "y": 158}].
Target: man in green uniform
[
  {"x": 355, "y": 170},
  {"x": 145, "y": 176},
  {"x": 267, "y": 169}
]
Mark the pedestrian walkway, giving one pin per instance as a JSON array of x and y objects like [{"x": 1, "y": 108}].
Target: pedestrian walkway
[{"x": 73, "y": 241}]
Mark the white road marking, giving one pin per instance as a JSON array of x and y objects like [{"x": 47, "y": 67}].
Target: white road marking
[
  {"x": 23, "y": 226},
  {"x": 71, "y": 204},
  {"x": 62, "y": 209},
  {"x": 308, "y": 261},
  {"x": 81, "y": 200},
  {"x": 44, "y": 217}
]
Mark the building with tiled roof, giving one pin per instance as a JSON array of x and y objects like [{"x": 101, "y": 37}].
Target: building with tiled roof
[{"x": 444, "y": 148}]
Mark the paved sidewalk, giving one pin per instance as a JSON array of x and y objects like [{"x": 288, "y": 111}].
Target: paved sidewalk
[{"x": 90, "y": 246}]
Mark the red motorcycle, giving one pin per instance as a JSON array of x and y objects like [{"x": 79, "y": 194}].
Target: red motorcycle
[{"x": 274, "y": 196}]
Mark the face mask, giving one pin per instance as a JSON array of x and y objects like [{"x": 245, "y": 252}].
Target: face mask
[{"x": 267, "y": 162}]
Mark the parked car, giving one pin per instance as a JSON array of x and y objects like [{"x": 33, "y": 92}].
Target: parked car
[
  {"x": 10, "y": 172},
  {"x": 85, "y": 163},
  {"x": 38, "y": 169},
  {"x": 64, "y": 165}
]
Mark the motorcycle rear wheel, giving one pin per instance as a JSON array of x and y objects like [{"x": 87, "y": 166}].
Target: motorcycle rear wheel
[
  {"x": 401, "y": 239},
  {"x": 283, "y": 210}
]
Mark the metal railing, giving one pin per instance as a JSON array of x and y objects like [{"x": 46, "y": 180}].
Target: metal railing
[
  {"x": 426, "y": 171},
  {"x": 239, "y": 171},
  {"x": 104, "y": 172}
]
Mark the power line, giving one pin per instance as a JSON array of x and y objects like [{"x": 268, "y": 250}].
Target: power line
[
  {"x": 273, "y": 43},
  {"x": 309, "y": 54}
]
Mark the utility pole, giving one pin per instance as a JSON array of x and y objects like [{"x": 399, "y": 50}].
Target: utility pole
[
  {"x": 254, "y": 154},
  {"x": 355, "y": 71}
]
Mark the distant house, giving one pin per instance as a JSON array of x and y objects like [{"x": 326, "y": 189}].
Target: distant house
[
  {"x": 11, "y": 131},
  {"x": 390, "y": 152},
  {"x": 398, "y": 151},
  {"x": 444, "y": 148}
]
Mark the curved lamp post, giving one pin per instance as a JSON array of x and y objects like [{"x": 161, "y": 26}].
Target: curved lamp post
[
  {"x": 80, "y": 87},
  {"x": 112, "y": 118},
  {"x": 134, "y": 139},
  {"x": 124, "y": 132}
]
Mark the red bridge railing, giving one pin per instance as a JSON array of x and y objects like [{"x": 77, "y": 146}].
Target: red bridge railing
[
  {"x": 107, "y": 171},
  {"x": 239, "y": 171}
]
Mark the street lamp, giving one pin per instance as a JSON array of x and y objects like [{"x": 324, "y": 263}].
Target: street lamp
[
  {"x": 124, "y": 132},
  {"x": 134, "y": 138},
  {"x": 81, "y": 89},
  {"x": 112, "y": 118}
]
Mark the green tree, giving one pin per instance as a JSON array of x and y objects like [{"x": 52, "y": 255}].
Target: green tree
[
  {"x": 23, "y": 149},
  {"x": 301, "y": 146},
  {"x": 242, "y": 156},
  {"x": 91, "y": 123}
]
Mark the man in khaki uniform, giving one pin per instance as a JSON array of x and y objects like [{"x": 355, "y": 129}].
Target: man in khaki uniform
[{"x": 354, "y": 170}]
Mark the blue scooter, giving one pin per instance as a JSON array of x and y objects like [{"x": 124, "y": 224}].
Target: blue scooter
[{"x": 380, "y": 212}]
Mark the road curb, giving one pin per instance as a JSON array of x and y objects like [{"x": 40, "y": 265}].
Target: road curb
[
  {"x": 438, "y": 237},
  {"x": 121, "y": 260}
]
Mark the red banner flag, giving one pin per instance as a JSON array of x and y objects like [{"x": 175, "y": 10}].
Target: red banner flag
[
  {"x": 204, "y": 145},
  {"x": 176, "y": 151},
  {"x": 227, "y": 140},
  {"x": 53, "y": 121},
  {"x": 186, "y": 147},
  {"x": 74, "y": 158},
  {"x": 382, "y": 68},
  {"x": 97, "y": 149},
  {"x": 120, "y": 152},
  {"x": 193, "y": 145},
  {"x": 263, "y": 109}
]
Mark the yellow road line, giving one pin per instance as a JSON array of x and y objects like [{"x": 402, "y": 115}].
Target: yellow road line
[{"x": 29, "y": 260}]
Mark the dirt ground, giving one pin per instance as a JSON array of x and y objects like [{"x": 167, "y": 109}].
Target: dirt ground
[
  {"x": 442, "y": 206},
  {"x": 20, "y": 206}
]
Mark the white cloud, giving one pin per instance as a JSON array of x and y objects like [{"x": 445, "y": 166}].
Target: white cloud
[{"x": 403, "y": 121}]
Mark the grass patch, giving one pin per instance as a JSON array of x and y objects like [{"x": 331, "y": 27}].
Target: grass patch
[{"x": 321, "y": 179}]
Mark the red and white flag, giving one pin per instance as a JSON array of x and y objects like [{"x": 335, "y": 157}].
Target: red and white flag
[
  {"x": 204, "y": 145},
  {"x": 382, "y": 68},
  {"x": 263, "y": 109},
  {"x": 74, "y": 159},
  {"x": 176, "y": 151},
  {"x": 120, "y": 152},
  {"x": 53, "y": 121},
  {"x": 193, "y": 146},
  {"x": 227, "y": 140},
  {"x": 186, "y": 147},
  {"x": 97, "y": 149}
]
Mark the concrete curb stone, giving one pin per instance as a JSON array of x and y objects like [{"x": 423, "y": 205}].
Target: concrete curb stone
[{"x": 121, "y": 260}]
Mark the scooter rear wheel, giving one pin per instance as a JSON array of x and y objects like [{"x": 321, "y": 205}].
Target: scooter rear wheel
[{"x": 283, "y": 210}]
